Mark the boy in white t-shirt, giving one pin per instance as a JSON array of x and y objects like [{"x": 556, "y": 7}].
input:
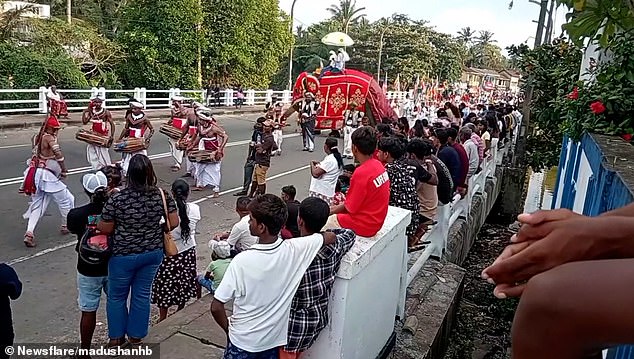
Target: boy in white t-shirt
[{"x": 262, "y": 283}]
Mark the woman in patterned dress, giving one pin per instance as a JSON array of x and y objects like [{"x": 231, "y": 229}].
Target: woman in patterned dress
[{"x": 175, "y": 281}]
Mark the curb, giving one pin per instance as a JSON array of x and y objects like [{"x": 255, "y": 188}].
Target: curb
[{"x": 36, "y": 120}]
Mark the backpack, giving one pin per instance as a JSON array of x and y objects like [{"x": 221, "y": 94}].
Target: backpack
[{"x": 94, "y": 248}]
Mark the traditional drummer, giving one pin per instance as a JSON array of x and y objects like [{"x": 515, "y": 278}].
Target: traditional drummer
[
  {"x": 42, "y": 180},
  {"x": 179, "y": 120},
  {"x": 137, "y": 125},
  {"x": 189, "y": 132},
  {"x": 212, "y": 138},
  {"x": 101, "y": 123}
]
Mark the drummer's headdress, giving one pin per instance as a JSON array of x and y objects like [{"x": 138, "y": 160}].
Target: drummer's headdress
[
  {"x": 52, "y": 122},
  {"x": 136, "y": 104}
]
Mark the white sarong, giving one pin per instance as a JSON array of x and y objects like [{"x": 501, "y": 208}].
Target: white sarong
[
  {"x": 126, "y": 157},
  {"x": 98, "y": 157},
  {"x": 49, "y": 187},
  {"x": 347, "y": 140},
  {"x": 278, "y": 138},
  {"x": 177, "y": 155},
  {"x": 207, "y": 173}
]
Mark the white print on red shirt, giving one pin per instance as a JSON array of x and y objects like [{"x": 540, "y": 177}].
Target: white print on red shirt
[{"x": 382, "y": 179}]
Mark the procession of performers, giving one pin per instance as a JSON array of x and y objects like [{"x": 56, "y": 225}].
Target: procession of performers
[
  {"x": 137, "y": 125},
  {"x": 101, "y": 123},
  {"x": 43, "y": 180}
]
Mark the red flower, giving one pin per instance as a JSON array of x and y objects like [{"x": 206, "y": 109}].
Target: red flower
[
  {"x": 574, "y": 94},
  {"x": 597, "y": 107}
]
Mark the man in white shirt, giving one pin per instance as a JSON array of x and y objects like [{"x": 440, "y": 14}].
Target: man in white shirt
[
  {"x": 472, "y": 151},
  {"x": 239, "y": 237},
  {"x": 262, "y": 283}
]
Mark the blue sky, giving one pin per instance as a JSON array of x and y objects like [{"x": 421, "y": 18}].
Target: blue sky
[{"x": 448, "y": 16}]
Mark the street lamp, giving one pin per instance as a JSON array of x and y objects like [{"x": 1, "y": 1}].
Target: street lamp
[{"x": 290, "y": 52}]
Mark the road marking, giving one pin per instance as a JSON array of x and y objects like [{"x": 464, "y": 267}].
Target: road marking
[
  {"x": 13, "y": 146},
  {"x": 72, "y": 243},
  {"x": 74, "y": 171}
]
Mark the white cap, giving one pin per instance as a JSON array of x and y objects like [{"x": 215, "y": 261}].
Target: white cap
[
  {"x": 204, "y": 114},
  {"x": 178, "y": 98},
  {"x": 96, "y": 97},
  {"x": 136, "y": 104},
  {"x": 197, "y": 104},
  {"x": 221, "y": 249},
  {"x": 93, "y": 181}
]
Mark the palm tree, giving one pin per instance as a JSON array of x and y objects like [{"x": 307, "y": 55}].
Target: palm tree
[
  {"x": 485, "y": 38},
  {"x": 465, "y": 35},
  {"x": 346, "y": 13}
]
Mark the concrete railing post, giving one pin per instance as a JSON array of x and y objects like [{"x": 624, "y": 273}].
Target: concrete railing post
[
  {"x": 229, "y": 97},
  {"x": 43, "y": 104},
  {"x": 143, "y": 98},
  {"x": 286, "y": 97},
  {"x": 269, "y": 95},
  {"x": 250, "y": 98}
]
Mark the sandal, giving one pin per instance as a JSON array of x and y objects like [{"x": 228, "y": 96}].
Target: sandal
[
  {"x": 175, "y": 168},
  {"x": 198, "y": 189},
  {"x": 29, "y": 240},
  {"x": 215, "y": 195},
  {"x": 64, "y": 230}
]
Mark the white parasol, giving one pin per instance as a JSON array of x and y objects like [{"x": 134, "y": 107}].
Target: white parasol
[{"x": 337, "y": 39}]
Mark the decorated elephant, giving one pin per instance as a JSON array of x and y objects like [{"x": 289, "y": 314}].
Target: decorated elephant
[{"x": 335, "y": 91}]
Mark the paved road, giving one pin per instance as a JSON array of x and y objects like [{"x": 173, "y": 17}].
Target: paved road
[{"x": 47, "y": 310}]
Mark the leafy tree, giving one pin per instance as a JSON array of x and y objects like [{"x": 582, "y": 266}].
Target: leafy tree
[
  {"x": 346, "y": 13},
  {"x": 244, "y": 41},
  {"x": 91, "y": 52},
  {"x": 105, "y": 15},
  {"x": 601, "y": 18},
  {"x": 11, "y": 20},
  {"x": 161, "y": 39}
]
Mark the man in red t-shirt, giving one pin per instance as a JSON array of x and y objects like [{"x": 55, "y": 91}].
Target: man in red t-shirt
[{"x": 365, "y": 208}]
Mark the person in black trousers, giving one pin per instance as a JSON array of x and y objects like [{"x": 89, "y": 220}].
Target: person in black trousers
[
  {"x": 249, "y": 165},
  {"x": 10, "y": 289}
]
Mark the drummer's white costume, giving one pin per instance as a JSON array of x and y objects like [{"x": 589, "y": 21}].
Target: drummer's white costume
[
  {"x": 178, "y": 120},
  {"x": 136, "y": 126},
  {"x": 101, "y": 123},
  {"x": 42, "y": 180},
  {"x": 352, "y": 118},
  {"x": 210, "y": 138}
]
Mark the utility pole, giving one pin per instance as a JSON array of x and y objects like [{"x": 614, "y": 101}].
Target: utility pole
[
  {"x": 68, "y": 10},
  {"x": 290, "y": 51},
  {"x": 199, "y": 62}
]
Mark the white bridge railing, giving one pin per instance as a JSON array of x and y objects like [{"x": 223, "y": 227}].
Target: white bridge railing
[{"x": 34, "y": 100}]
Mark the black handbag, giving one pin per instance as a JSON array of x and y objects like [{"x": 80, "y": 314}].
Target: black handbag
[{"x": 92, "y": 253}]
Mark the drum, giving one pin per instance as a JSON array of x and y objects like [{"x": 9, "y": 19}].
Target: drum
[
  {"x": 171, "y": 131},
  {"x": 203, "y": 156},
  {"x": 183, "y": 143},
  {"x": 93, "y": 138},
  {"x": 130, "y": 145}
]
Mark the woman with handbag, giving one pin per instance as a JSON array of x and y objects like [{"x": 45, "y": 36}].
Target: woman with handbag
[
  {"x": 175, "y": 281},
  {"x": 133, "y": 218}
]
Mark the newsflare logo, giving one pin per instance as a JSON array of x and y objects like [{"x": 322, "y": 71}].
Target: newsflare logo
[{"x": 73, "y": 350}]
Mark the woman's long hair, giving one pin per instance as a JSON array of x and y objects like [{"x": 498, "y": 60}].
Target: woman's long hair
[
  {"x": 100, "y": 197},
  {"x": 418, "y": 129},
  {"x": 331, "y": 143},
  {"x": 180, "y": 190},
  {"x": 141, "y": 176},
  {"x": 454, "y": 110}
]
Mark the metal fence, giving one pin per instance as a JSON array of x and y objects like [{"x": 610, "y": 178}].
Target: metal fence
[{"x": 16, "y": 101}]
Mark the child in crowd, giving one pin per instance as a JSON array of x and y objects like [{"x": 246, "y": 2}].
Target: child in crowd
[
  {"x": 262, "y": 283},
  {"x": 220, "y": 259},
  {"x": 340, "y": 190},
  {"x": 239, "y": 237}
]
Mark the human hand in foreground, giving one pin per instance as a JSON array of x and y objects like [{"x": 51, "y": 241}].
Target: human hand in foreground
[{"x": 546, "y": 240}]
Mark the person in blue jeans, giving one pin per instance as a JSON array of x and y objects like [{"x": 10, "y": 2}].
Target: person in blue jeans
[{"x": 133, "y": 218}]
